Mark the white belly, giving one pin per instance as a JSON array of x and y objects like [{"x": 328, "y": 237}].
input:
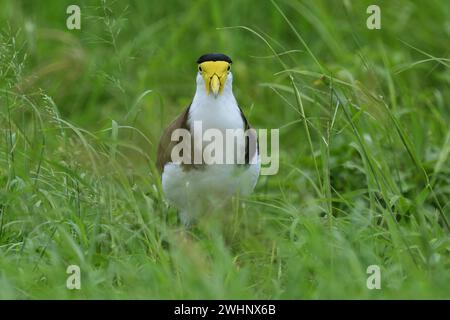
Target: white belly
[{"x": 197, "y": 190}]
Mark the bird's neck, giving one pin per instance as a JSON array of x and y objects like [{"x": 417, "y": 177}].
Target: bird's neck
[
  {"x": 224, "y": 98},
  {"x": 221, "y": 112}
]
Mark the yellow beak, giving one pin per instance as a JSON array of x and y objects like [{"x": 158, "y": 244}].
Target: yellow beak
[
  {"x": 214, "y": 74},
  {"x": 215, "y": 85}
]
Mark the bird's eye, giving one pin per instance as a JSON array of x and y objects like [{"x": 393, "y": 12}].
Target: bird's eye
[
  {"x": 200, "y": 69},
  {"x": 229, "y": 67}
]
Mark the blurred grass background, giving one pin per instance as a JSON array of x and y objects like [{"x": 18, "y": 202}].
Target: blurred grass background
[{"x": 364, "y": 149}]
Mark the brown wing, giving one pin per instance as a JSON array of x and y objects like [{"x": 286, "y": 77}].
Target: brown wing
[
  {"x": 249, "y": 152},
  {"x": 165, "y": 144}
]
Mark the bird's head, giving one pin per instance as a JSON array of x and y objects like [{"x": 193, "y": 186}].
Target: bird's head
[{"x": 214, "y": 73}]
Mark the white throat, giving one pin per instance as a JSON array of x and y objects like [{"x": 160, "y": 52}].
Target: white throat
[{"x": 221, "y": 112}]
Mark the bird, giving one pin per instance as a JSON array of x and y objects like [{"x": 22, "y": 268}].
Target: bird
[{"x": 196, "y": 188}]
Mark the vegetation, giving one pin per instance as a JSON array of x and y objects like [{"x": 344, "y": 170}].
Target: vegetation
[{"x": 364, "y": 173}]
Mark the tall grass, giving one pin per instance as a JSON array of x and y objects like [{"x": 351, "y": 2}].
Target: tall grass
[{"x": 364, "y": 145}]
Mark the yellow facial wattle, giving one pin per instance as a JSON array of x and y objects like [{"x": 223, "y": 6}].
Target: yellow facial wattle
[{"x": 215, "y": 75}]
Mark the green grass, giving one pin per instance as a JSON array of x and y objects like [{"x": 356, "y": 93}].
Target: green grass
[{"x": 364, "y": 149}]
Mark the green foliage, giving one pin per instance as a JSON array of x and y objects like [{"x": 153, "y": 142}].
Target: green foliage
[{"x": 364, "y": 149}]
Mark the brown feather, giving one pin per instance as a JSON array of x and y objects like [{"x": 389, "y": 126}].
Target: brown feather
[
  {"x": 166, "y": 144},
  {"x": 247, "y": 126}
]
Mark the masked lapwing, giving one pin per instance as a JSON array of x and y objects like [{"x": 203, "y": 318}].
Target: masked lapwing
[{"x": 201, "y": 181}]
